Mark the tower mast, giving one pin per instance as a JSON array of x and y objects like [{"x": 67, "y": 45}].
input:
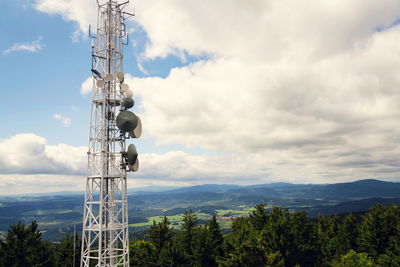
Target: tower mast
[{"x": 105, "y": 220}]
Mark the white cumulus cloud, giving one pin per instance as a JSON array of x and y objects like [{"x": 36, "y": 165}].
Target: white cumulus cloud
[
  {"x": 316, "y": 84},
  {"x": 82, "y": 12},
  {"x": 86, "y": 86},
  {"x": 65, "y": 121},
  {"x": 30, "y": 154},
  {"x": 32, "y": 47},
  {"x": 39, "y": 183}
]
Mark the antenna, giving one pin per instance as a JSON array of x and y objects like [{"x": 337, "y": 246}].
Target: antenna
[
  {"x": 74, "y": 247},
  {"x": 105, "y": 220},
  {"x": 90, "y": 33}
]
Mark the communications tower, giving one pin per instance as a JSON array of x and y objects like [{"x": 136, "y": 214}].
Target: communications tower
[{"x": 105, "y": 219}]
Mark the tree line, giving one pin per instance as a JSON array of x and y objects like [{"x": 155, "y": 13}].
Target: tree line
[{"x": 275, "y": 237}]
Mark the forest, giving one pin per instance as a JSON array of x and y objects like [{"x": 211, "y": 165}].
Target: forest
[{"x": 273, "y": 237}]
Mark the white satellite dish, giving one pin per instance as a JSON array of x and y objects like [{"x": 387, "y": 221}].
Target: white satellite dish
[
  {"x": 134, "y": 167},
  {"x": 137, "y": 132},
  {"x": 128, "y": 94},
  {"x": 109, "y": 77},
  {"x": 100, "y": 83},
  {"x": 124, "y": 87},
  {"x": 120, "y": 76}
]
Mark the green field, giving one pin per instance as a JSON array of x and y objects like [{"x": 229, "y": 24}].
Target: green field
[
  {"x": 48, "y": 212},
  {"x": 243, "y": 211},
  {"x": 224, "y": 217},
  {"x": 175, "y": 219},
  {"x": 43, "y": 224}
]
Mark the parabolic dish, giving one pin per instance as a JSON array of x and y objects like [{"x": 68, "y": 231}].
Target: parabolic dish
[
  {"x": 134, "y": 167},
  {"x": 126, "y": 121},
  {"x": 131, "y": 154},
  {"x": 100, "y": 83},
  {"x": 109, "y": 77},
  {"x": 120, "y": 76},
  {"x": 128, "y": 94},
  {"x": 124, "y": 87},
  {"x": 128, "y": 102},
  {"x": 137, "y": 132}
]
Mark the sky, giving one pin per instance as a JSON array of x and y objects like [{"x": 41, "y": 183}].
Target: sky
[{"x": 228, "y": 91}]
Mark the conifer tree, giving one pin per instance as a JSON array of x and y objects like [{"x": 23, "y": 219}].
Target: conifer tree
[
  {"x": 208, "y": 244},
  {"x": 347, "y": 235},
  {"x": 374, "y": 232},
  {"x": 302, "y": 248},
  {"x": 189, "y": 228},
  {"x": 203, "y": 250},
  {"x": 142, "y": 254},
  {"x": 354, "y": 259},
  {"x": 65, "y": 251},
  {"x": 380, "y": 234},
  {"x": 258, "y": 217},
  {"x": 23, "y": 246},
  {"x": 327, "y": 235},
  {"x": 216, "y": 237},
  {"x": 275, "y": 236},
  {"x": 173, "y": 255},
  {"x": 160, "y": 233},
  {"x": 242, "y": 246}
]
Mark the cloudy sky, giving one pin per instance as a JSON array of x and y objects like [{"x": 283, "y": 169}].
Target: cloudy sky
[{"x": 229, "y": 91}]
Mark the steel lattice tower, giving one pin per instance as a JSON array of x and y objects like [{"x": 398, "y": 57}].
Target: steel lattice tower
[{"x": 105, "y": 219}]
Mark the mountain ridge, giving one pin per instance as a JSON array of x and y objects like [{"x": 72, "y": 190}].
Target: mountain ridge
[{"x": 218, "y": 188}]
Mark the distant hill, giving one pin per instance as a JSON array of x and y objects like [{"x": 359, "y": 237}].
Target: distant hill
[
  {"x": 214, "y": 188},
  {"x": 150, "y": 189},
  {"x": 351, "y": 190},
  {"x": 352, "y": 206}
]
